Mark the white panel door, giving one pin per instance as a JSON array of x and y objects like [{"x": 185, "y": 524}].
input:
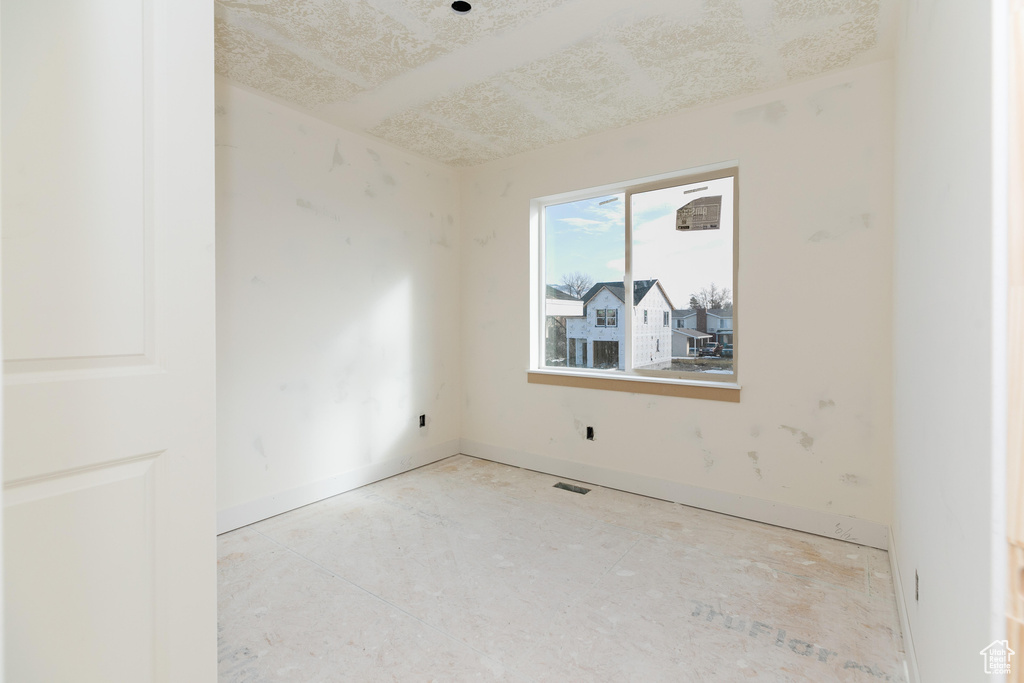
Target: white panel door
[{"x": 106, "y": 169}]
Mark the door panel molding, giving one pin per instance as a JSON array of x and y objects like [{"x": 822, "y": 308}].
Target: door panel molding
[
  {"x": 99, "y": 528},
  {"x": 79, "y": 235},
  {"x": 54, "y": 484}
]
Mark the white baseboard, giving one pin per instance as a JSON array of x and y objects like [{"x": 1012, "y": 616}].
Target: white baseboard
[
  {"x": 827, "y": 524},
  {"x": 913, "y": 675},
  {"x": 264, "y": 508}
]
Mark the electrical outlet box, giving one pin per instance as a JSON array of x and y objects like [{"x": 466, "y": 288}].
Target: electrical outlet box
[
  {"x": 590, "y": 433},
  {"x": 423, "y": 420}
]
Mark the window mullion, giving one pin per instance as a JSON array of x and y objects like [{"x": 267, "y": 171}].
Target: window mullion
[
  {"x": 627, "y": 284},
  {"x": 541, "y": 318}
]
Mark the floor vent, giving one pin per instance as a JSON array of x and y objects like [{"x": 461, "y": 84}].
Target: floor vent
[{"x": 570, "y": 487}]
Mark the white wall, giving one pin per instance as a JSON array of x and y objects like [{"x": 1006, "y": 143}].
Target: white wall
[
  {"x": 813, "y": 428},
  {"x": 338, "y": 308},
  {"x": 948, "y": 511},
  {"x": 652, "y": 343}
]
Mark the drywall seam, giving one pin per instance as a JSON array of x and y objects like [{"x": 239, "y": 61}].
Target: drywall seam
[
  {"x": 910, "y": 655},
  {"x": 254, "y": 511},
  {"x": 860, "y": 531}
]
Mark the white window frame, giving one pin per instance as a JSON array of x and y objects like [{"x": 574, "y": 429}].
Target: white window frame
[
  {"x": 632, "y": 380},
  {"x": 612, "y": 313}
]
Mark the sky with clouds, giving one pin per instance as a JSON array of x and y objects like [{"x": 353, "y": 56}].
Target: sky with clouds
[{"x": 589, "y": 236}]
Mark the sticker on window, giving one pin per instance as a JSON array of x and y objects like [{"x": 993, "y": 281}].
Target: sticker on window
[{"x": 700, "y": 214}]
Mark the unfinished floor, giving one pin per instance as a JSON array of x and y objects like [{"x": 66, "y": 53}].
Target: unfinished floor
[{"x": 471, "y": 570}]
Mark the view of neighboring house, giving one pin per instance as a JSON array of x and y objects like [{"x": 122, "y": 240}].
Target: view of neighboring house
[
  {"x": 686, "y": 342},
  {"x": 596, "y": 339},
  {"x": 714, "y": 325},
  {"x": 558, "y": 306}
]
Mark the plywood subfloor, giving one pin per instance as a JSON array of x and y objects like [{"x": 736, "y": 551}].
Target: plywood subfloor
[{"x": 471, "y": 570}]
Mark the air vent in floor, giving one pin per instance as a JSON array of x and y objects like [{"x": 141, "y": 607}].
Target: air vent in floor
[{"x": 570, "y": 487}]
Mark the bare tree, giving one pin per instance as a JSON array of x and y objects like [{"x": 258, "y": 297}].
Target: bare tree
[
  {"x": 712, "y": 297},
  {"x": 577, "y": 283}
]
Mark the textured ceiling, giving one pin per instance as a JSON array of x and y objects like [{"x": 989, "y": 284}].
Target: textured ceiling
[{"x": 515, "y": 75}]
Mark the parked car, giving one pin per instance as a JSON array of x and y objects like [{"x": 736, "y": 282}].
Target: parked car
[
  {"x": 711, "y": 349},
  {"x": 726, "y": 350}
]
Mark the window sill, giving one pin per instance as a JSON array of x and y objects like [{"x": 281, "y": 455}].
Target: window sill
[{"x": 636, "y": 384}]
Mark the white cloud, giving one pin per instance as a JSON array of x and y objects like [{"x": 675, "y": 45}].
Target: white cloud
[
  {"x": 584, "y": 225},
  {"x": 618, "y": 265},
  {"x": 609, "y": 214}
]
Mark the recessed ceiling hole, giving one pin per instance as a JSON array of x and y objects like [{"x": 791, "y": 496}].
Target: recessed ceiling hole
[
  {"x": 461, "y": 7},
  {"x": 570, "y": 487}
]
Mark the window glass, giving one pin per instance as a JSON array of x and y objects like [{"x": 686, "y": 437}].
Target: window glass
[
  {"x": 682, "y": 258},
  {"x": 615, "y": 264},
  {"x": 584, "y": 260}
]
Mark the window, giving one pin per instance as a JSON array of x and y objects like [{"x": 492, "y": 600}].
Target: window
[
  {"x": 607, "y": 317},
  {"x": 662, "y": 243}
]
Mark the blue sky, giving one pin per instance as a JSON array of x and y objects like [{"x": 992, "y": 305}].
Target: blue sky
[{"x": 589, "y": 236}]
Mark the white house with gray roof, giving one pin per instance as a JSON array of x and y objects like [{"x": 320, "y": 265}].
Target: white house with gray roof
[
  {"x": 717, "y": 322},
  {"x": 686, "y": 342},
  {"x": 597, "y": 338}
]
